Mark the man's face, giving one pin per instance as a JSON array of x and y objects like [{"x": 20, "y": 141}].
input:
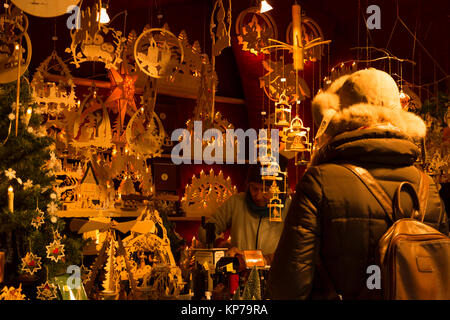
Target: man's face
[{"x": 260, "y": 198}]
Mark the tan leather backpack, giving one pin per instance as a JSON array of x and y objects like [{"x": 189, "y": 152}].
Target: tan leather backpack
[{"x": 414, "y": 258}]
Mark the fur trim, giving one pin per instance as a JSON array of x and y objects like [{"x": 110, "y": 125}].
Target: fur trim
[
  {"x": 327, "y": 100},
  {"x": 366, "y": 115}
]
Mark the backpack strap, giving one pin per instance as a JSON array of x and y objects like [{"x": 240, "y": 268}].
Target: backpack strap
[
  {"x": 374, "y": 187},
  {"x": 423, "y": 194},
  {"x": 398, "y": 211}
]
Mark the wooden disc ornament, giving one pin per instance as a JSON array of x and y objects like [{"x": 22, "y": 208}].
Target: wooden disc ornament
[
  {"x": 158, "y": 52},
  {"x": 145, "y": 134},
  {"x": 45, "y": 8},
  {"x": 15, "y": 45}
]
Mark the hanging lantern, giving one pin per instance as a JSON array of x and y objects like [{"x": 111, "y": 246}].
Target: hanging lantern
[
  {"x": 275, "y": 206},
  {"x": 282, "y": 112},
  {"x": 297, "y": 136}
]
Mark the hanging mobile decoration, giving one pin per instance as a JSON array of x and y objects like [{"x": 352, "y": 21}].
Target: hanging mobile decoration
[
  {"x": 31, "y": 263},
  {"x": 121, "y": 98},
  {"x": 158, "y": 52},
  {"x": 145, "y": 134},
  {"x": 53, "y": 98},
  {"x": 310, "y": 32},
  {"x": 39, "y": 219},
  {"x": 94, "y": 41},
  {"x": 92, "y": 126},
  {"x": 281, "y": 79},
  {"x": 15, "y": 44},
  {"x": 55, "y": 250},
  {"x": 47, "y": 291},
  {"x": 219, "y": 29},
  {"x": 275, "y": 204},
  {"x": 282, "y": 112},
  {"x": 254, "y": 29},
  {"x": 297, "y": 136}
]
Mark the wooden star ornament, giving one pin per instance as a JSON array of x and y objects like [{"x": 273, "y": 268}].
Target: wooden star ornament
[
  {"x": 31, "y": 263},
  {"x": 47, "y": 291}
]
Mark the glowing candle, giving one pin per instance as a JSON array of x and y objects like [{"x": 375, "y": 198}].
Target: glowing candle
[
  {"x": 11, "y": 199},
  {"x": 28, "y": 116}
]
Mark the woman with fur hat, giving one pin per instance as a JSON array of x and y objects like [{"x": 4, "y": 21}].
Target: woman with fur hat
[{"x": 334, "y": 223}]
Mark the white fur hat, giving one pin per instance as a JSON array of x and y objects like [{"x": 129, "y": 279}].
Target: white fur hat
[{"x": 364, "y": 98}]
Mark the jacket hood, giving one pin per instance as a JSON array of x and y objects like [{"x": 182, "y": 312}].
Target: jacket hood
[
  {"x": 365, "y": 98},
  {"x": 379, "y": 145}
]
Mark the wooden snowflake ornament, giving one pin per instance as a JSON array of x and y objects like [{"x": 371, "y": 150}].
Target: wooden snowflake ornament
[
  {"x": 47, "y": 291},
  {"x": 31, "y": 263}
]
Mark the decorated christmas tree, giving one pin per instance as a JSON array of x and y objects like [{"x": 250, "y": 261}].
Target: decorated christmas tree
[{"x": 34, "y": 239}]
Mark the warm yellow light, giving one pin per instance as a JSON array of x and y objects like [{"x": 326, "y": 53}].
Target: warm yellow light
[
  {"x": 104, "y": 17},
  {"x": 10, "y": 189},
  {"x": 265, "y": 6}
]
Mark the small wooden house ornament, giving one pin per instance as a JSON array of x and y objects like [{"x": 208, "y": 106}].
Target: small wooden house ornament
[
  {"x": 282, "y": 112},
  {"x": 297, "y": 136},
  {"x": 276, "y": 205},
  {"x": 89, "y": 189}
]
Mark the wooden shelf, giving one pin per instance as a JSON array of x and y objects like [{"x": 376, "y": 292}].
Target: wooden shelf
[{"x": 185, "y": 219}]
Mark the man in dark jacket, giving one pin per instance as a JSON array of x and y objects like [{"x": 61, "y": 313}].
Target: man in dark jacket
[{"x": 334, "y": 223}]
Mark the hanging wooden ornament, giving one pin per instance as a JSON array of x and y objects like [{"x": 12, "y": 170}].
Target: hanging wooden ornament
[
  {"x": 310, "y": 33},
  {"x": 158, "y": 52},
  {"x": 254, "y": 29},
  {"x": 282, "y": 112},
  {"x": 145, "y": 135},
  {"x": 47, "y": 291},
  {"x": 206, "y": 193},
  {"x": 55, "y": 250},
  {"x": 53, "y": 98},
  {"x": 186, "y": 79},
  {"x": 38, "y": 219},
  {"x": 95, "y": 42},
  {"x": 297, "y": 136},
  {"x": 275, "y": 205},
  {"x": 92, "y": 127},
  {"x": 281, "y": 79},
  {"x": 15, "y": 45},
  {"x": 31, "y": 263},
  {"x": 12, "y": 293},
  {"x": 219, "y": 28},
  {"x": 45, "y": 8},
  {"x": 121, "y": 100}
]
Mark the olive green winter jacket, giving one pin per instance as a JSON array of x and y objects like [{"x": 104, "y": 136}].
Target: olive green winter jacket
[{"x": 334, "y": 219}]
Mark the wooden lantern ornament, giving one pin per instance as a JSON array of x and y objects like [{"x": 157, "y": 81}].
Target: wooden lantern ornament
[
  {"x": 297, "y": 136},
  {"x": 282, "y": 112}
]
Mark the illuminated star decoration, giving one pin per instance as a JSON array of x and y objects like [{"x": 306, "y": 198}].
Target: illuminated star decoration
[
  {"x": 31, "y": 263},
  {"x": 55, "y": 251},
  {"x": 38, "y": 220},
  {"x": 47, "y": 291},
  {"x": 122, "y": 96},
  {"x": 12, "y": 293},
  {"x": 28, "y": 184}
]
